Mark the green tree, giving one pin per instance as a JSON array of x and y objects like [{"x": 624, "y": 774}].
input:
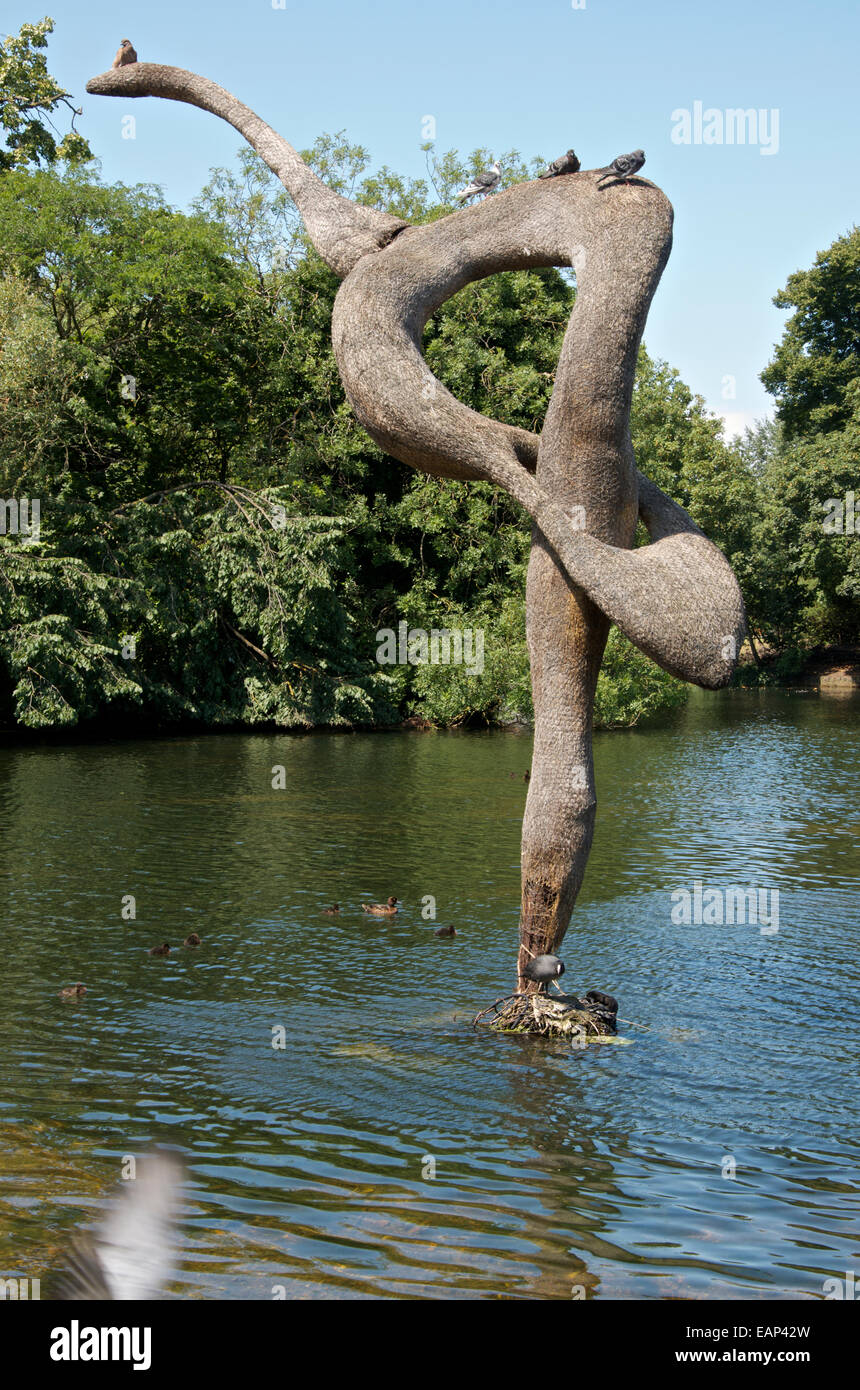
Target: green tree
[
  {"x": 151, "y": 325},
  {"x": 28, "y": 98},
  {"x": 819, "y": 355},
  {"x": 158, "y": 505}
]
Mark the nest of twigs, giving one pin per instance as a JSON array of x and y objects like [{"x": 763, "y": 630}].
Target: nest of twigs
[{"x": 549, "y": 1016}]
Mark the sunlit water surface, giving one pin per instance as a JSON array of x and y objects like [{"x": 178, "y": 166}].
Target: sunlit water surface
[{"x": 556, "y": 1170}]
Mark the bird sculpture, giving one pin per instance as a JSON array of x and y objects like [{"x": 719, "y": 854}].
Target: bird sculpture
[
  {"x": 381, "y": 909},
  {"x": 544, "y": 970},
  {"x": 192, "y": 939},
  {"x": 484, "y": 182},
  {"x": 331, "y": 911},
  {"x": 445, "y": 931},
  {"x": 131, "y": 1255},
  {"x": 565, "y": 164},
  {"x": 162, "y": 950},
  {"x": 125, "y": 54},
  {"x": 72, "y": 991},
  {"x": 623, "y": 167}
]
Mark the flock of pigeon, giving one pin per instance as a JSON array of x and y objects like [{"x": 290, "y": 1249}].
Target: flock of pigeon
[{"x": 622, "y": 168}]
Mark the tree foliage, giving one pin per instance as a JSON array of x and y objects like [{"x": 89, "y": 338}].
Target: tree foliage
[
  {"x": 802, "y": 572},
  {"x": 220, "y": 540},
  {"x": 29, "y": 96},
  {"x": 819, "y": 356}
]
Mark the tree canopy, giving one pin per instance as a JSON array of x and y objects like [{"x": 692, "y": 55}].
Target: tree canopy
[
  {"x": 219, "y": 538},
  {"x": 29, "y": 96}
]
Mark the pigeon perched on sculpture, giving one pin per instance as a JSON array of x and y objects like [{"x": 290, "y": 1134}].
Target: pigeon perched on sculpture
[
  {"x": 565, "y": 164},
  {"x": 484, "y": 182},
  {"x": 125, "y": 54},
  {"x": 623, "y": 167}
]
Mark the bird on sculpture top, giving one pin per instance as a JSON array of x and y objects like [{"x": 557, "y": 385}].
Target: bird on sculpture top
[
  {"x": 565, "y": 164},
  {"x": 484, "y": 182},
  {"x": 125, "y": 54},
  {"x": 623, "y": 167}
]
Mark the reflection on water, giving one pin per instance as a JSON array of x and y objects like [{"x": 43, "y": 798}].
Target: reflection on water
[{"x": 556, "y": 1170}]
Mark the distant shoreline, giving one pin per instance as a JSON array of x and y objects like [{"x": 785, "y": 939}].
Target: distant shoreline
[{"x": 832, "y": 670}]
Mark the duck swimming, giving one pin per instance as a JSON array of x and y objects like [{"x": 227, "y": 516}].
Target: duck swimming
[
  {"x": 162, "y": 950},
  {"x": 71, "y": 991},
  {"x": 331, "y": 911},
  {"x": 445, "y": 931},
  {"x": 192, "y": 939},
  {"x": 381, "y": 909}
]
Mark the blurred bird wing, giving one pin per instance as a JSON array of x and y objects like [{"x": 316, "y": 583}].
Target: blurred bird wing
[
  {"x": 83, "y": 1279},
  {"x": 133, "y": 1253},
  {"x": 138, "y": 1238}
]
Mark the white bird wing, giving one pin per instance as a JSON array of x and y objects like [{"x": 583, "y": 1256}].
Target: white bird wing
[{"x": 132, "y": 1255}]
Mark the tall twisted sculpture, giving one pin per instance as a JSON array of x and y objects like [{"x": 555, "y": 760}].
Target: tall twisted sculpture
[{"x": 675, "y": 598}]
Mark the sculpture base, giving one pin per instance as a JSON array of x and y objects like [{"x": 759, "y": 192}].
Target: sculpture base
[{"x": 549, "y": 1016}]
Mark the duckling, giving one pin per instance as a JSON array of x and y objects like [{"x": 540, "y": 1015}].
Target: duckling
[
  {"x": 381, "y": 909},
  {"x": 445, "y": 931},
  {"x": 71, "y": 991},
  {"x": 192, "y": 939},
  {"x": 331, "y": 911},
  {"x": 162, "y": 950}
]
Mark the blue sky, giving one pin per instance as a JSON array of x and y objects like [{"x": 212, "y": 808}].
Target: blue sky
[{"x": 539, "y": 77}]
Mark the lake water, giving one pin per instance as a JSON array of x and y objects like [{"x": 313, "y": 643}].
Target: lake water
[{"x": 557, "y": 1171}]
